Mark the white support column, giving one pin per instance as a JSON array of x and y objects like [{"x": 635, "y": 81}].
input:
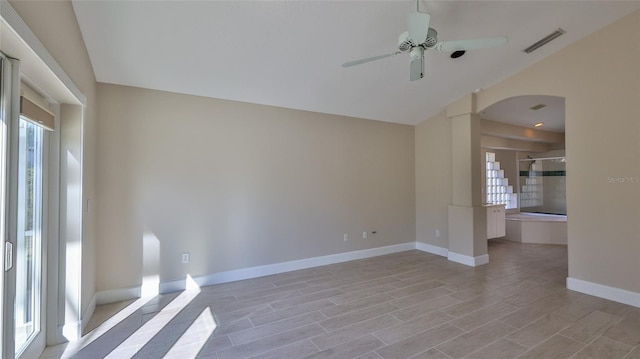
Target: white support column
[{"x": 467, "y": 216}]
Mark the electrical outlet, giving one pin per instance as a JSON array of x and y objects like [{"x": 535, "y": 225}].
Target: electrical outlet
[
  {"x": 437, "y": 233},
  {"x": 364, "y": 235},
  {"x": 346, "y": 237},
  {"x": 185, "y": 257}
]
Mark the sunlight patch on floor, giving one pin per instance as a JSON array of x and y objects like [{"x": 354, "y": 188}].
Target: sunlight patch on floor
[
  {"x": 148, "y": 330},
  {"x": 195, "y": 337}
]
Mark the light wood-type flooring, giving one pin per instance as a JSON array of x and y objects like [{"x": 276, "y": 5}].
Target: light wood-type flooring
[{"x": 404, "y": 305}]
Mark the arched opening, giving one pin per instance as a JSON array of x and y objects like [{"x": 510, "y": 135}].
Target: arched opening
[
  {"x": 524, "y": 159},
  {"x": 602, "y": 167}
]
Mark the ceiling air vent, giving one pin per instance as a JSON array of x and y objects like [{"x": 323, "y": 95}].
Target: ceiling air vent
[
  {"x": 545, "y": 40},
  {"x": 537, "y": 107}
]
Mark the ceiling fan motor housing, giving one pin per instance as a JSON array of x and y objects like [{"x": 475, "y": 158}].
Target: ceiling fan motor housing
[
  {"x": 416, "y": 53},
  {"x": 406, "y": 44}
]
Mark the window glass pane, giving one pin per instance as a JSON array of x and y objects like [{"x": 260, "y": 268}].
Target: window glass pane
[{"x": 28, "y": 241}]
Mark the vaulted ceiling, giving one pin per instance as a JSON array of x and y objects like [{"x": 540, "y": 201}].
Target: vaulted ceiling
[{"x": 289, "y": 53}]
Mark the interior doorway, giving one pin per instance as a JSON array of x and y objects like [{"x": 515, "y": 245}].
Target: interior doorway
[{"x": 525, "y": 135}]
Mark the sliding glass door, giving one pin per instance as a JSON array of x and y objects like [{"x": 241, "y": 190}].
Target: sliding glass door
[
  {"x": 22, "y": 164},
  {"x": 29, "y": 238}
]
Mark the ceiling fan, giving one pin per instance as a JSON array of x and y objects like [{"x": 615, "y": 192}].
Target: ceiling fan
[{"x": 421, "y": 37}]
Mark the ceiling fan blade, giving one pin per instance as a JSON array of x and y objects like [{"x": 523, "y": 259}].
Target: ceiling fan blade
[
  {"x": 369, "y": 59},
  {"x": 418, "y": 26},
  {"x": 416, "y": 68},
  {"x": 463, "y": 45}
]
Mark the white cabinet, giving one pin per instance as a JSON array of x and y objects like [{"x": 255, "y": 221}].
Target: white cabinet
[{"x": 496, "y": 225}]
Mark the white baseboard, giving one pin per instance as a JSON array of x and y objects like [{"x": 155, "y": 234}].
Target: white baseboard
[
  {"x": 604, "y": 291},
  {"x": 270, "y": 269},
  {"x": 86, "y": 315},
  {"x": 116, "y": 295},
  {"x": 468, "y": 260},
  {"x": 429, "y": 248},
  {"x": 71, "y": 331},
  {"x": 452, "y": 256},
  {"x": 481, "y": 260},
  {"x": 57, "y": 337}
]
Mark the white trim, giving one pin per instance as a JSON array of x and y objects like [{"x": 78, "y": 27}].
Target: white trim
[
  {"x": 430, "y": 248},
  {"x": 269, "y": 269},
  {"x": 88, "y": 313},
  {"x": 603, "y": 291},
  {"x": 23, "y": 31},
  {"x": 117, "y": 295},
  {"x": 72, "y": 331},
  {"x": 481, "y": 260},
  {"x": 468, "y": 260},
  {"x": 56, "y": 336}
]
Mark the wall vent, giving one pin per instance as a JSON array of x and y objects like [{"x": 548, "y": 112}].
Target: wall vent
[{"x": 545, "y": 40}]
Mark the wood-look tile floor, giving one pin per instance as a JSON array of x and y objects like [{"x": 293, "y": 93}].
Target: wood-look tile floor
[{"x": 404, "y": 305}]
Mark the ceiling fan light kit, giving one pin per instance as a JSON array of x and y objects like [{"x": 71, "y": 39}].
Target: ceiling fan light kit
[{"x": 419, "y": 38}]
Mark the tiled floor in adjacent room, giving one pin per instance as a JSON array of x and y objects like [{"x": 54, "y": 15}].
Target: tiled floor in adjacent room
[{"x": 405, "y": 305}]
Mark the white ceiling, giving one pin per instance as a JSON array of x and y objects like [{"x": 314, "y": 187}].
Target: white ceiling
[
  {"x": 517, "y": 111},
  {"x": 289, "y": 53}
]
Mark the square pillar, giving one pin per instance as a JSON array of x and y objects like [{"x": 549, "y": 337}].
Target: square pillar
[{"x": 467, "y": 215}]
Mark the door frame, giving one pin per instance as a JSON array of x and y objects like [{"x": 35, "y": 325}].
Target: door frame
[
  {"x": 9, "y": 160},
  {"x": 50, "y": 79},
  {"x": 49, "y": 217}
]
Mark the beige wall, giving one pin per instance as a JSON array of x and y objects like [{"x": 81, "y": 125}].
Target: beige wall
[
  {"x": 54, "y": 24},
  {"x": 359, "y": 174},
  {"x": 509, "y": 163},
  {"x": 240, "y": 185},
  {"x": 602, "y": 142},
  {"x": 433, "y": 180}
]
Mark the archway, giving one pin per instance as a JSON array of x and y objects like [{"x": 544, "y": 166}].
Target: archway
[
  {"x": 524, "y": 136},
  {"x": 602, "y": 146}
]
